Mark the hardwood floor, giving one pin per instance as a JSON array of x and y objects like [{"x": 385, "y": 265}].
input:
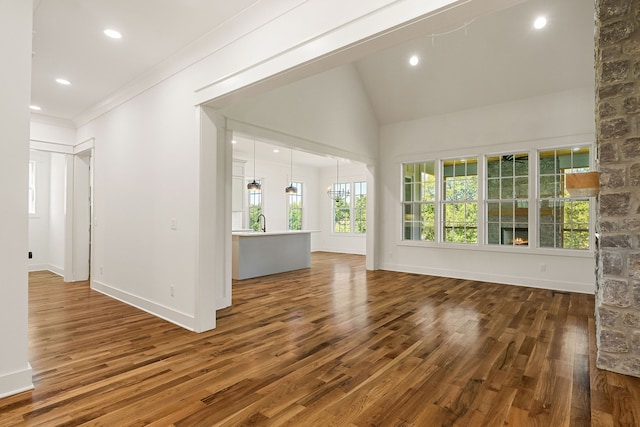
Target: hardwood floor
[{"x": 331, "y": 345}]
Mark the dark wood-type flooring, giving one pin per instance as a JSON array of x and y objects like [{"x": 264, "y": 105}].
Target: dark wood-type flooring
[{"x": 330, "y": 345}]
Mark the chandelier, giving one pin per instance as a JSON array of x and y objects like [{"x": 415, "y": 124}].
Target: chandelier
[{"x": 334, "y": 193}]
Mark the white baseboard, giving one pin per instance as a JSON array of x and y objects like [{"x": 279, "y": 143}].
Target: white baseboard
[
  {"x": 46, "y": 267},
  {"x": 170, "y": 315},
  {"x": 16, "y": 382},
  {"x": 38, "y": 267},
  {"x": 531, "y": 282},
  {"x": 57, "y": 270},
  {"x": 340, "y": 251}
]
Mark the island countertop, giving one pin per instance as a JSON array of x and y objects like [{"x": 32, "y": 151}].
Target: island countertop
[
  {"x": 256, "y": 253},
  {"x": 269, "y": 233}
]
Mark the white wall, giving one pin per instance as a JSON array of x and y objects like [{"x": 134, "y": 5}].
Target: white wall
[
  {"x": 15, "y": 87},
  {"x": 559, "y": 119},
  {"x": 329, "y": 111},
  {"x": 145, "y": 179},
  {"x": 52, "y": 130},
  {"x": 150, "y": 163},
  {"x": 275, "y": 176}
]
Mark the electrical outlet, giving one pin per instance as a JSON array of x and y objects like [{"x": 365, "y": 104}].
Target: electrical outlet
[
  {"x": 171, "y": 290},
  {"x": 543, "y": 267},
  {"x": 101, "y": 270}
]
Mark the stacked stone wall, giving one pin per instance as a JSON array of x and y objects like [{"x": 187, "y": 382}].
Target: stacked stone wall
[{"x": 617, "y": 63}]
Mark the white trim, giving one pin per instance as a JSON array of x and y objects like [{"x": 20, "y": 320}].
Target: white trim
[
  {"x": 340, "y": 251},
  {"x": 381, "y": 27},
  {"x": 54, "y": 147},
  {"x": 354, "y": 37},
  {"x": 531, "y": 282},
  {"x": 16, "y": 382},
  {"x": 176, "y": 317},
  {"x": 51, "y": 120},
  {"x": 525, "y": 250},
  {"x": 292, "y": 141},
  {"x": 84, "y": 146},
  {"x": 500, "y": 147},
  {"x": 223, "y": 36},
  {"x": 47, "y": 267}
]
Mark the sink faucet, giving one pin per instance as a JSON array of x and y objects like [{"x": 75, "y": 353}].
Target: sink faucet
[{"x": 264, "y": 222}]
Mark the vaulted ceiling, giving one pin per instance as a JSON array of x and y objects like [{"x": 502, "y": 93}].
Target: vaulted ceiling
[{"x": 493, "y": 59}]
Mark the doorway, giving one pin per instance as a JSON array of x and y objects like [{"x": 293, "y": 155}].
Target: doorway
[{"x": 60, "y": 223}]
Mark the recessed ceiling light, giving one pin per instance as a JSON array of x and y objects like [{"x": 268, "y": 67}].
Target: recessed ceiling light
[
  {"x": 35, "y": 108},
  {"x": 63, "y": 82},
  {"x": 275, "y": 150},
  {"x": 113, "y": 33},
  {"x": 414, "y": 60},
  {"x": 540, "y": 22},
  {"x": 233, "y": 141}
]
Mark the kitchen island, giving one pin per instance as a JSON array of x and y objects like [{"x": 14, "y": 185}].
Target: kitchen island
[{"x": 258, "y": 253}]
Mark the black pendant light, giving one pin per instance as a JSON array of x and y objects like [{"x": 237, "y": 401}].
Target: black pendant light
[
  {"x": 254, "y": 185},
  {"x": 291, "y": 189}
]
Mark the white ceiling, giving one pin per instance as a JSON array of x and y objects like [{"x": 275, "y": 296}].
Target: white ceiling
[
  {"x": 264, "y": 150},
  {"x": 496, "y": 58},
  {"x": 68, "y": 42}
]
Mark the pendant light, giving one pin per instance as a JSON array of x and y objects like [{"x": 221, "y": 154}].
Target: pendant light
[
  {"x": 291, "y": 189},
  {"x": 337, "y": 194},
  {"x": 254, "y": 185}
]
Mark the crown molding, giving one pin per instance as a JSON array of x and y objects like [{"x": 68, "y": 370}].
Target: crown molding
[
  {"x": 220, "y": 37},
  {"x": 52, "y": 120}
]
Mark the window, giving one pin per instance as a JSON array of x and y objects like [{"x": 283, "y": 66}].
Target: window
[
  {"x": 419, "y": 201},
  {"x": 564, "y": 221},
  {"x": 460, "y": 201},
  {"x": 350, "y": 217},
  {"x": 360, "y": 207},
  {"x": 32, "y": 187},
  {"x": 295, "y": 207},
  {"x": 342, "y": 209},
  {"x": 507, "y": 199},
  {"x": 255, "y": 207}
]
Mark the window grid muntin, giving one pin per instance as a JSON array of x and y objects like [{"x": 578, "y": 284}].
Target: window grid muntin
[
  {"x": 294, "y": 207},
  {"x": 507, "y": 199},
  {"x": 460, "y": 201},
  {"x": 360, "y": 207},
  {"x": 558, "y": 227},
  {"x": 419, "y": 211},
  {"x": 255, "y": 207},
  {"x": 342, "y": 209}
]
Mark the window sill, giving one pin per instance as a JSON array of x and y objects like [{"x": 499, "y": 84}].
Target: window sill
[{"x": 576, "y": 253}]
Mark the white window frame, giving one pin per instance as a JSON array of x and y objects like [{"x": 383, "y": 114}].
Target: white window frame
[
  {"x": 298, "y": 197},
  {"x": 417, "y": 204},
  {"x": 514, "y": 200},
  {"x": 33, "y": 195},
  {"x": 251, "y": 193},
  {"x": 444, "y": 202},
  {"x": 533, "y": 222},
  {"x": 540, "y": 199},
  {"x": 350, "y": 186}
]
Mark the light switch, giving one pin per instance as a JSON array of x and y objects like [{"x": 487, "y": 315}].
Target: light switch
[{"x": 174, "y": 224}]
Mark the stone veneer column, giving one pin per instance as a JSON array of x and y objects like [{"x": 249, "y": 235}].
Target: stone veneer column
[{"x": 617, "y": 63}]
